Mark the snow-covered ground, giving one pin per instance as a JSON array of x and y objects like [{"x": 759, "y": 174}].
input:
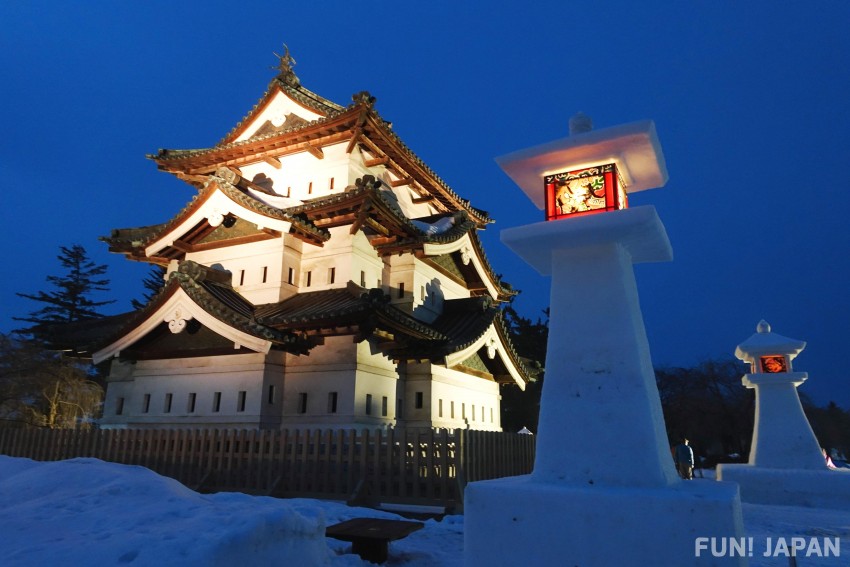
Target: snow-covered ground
[{"x": 89, "y": 512}]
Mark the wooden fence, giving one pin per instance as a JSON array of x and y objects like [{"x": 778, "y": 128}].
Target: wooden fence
[{"x": 424, "y": 467}]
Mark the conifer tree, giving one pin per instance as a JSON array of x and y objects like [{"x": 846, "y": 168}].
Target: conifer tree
[
  {"x": 152, "y": 285},
  {"x": 71, "y": 300}
]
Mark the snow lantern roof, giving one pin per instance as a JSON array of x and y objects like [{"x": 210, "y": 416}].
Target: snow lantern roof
[
  {"x": 633, "y": 147},
  {"x": 764, "y": 342}
]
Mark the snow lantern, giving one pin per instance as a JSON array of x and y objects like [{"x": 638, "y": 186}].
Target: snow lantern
[
  {"x": 590, "y": 171},
  {"x": 767, "y": 352}
]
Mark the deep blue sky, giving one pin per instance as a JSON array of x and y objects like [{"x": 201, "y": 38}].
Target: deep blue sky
[{"x": 750, "y": 100}]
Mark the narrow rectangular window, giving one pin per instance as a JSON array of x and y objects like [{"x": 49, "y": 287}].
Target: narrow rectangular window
[
  {"x": 290, "y": 277},
  {"x": 331, "y": 184},
  {"x": 288, "y": 191},
  {"x": 440, "y": 408},
  {"x": 384, "y": 403},
  {"x": 190, "y": 403},
  {"x": 332, "y": 398},
  {"x": 331, "y": 275},
  {"x": 271, "y": 394},
  {"x": 463, "y": 411},
  {"x": 422, "y": 292},
  {"x": 265, "y": 273},
  {"x": 420, "y": 400},
  {"x": 216, "y": 401},
  {"x": 240, "y": 400},
  {"x": 146, "y": 403},
  {"x": 399, "y": 409},
  {"x": 368, "y": 404},
  {"x": 362, "y": 278},
  {"x": 491, "y": 415},
  {"x": 302, "y": 402},
  {"x": 310, "y": 188},
  {"x": 452, "y": 408},
  {"x": 473, "y": 412},
  {"x": 401, "y": 289},
  {"x": 241, "y": 277},
  {"x": 166, "y": 407},
  {"x": 119, "y": 406},
  {"x": 309, "y": 278}
]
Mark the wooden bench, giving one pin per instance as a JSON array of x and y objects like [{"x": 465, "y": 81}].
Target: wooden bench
[{"x": 370, "y": 537}]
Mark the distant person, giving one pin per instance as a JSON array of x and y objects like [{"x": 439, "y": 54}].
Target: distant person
[
  {"x": 828, "y": 459},
  {"x": 683, "y": 455}
]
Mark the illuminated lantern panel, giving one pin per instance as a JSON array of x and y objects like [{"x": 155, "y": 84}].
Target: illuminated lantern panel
[
  {"x": 585, "y": 191},
  {"x": 773, "y": 364}
]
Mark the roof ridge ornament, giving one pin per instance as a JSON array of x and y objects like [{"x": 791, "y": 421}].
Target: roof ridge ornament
[
  {"x": 284, "y": 66},
  {"x": 364, "y": 97}
]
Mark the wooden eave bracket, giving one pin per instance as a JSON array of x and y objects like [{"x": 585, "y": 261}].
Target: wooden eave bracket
[
  {"x": 356, "y": 133},
  {"x": 314, "y": 151},
  {"x": 377, "y": 161},
  {"x": 273, "y": 161},
  {"x": 425, "y": 199},
  {"x": 401, "y": 182}
]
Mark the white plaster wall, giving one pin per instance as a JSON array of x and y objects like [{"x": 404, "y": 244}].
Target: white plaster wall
[
  {"x": 430, "y": 289},
  {"x": 252, "y": 373},
  {"x": 304, "y": 176},
  {"x": 477, "y": 399},
  {"x": 279, "y": 106}
]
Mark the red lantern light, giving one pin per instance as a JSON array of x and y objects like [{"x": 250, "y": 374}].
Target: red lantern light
[{"x": 584, "y": 191}]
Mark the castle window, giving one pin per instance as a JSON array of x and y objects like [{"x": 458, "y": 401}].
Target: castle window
[
  {"x": 420, "y": 400},
  {"x": 362, "y": 278},
  {"x": 452, "y": 410},
  {"x": 216, "y": 402},
  {"x": 290, "y": 276},
  {"x": 399, "y": 409},
  {"x": 119, "y": 406},
  {"x": 463, "y": 411},
  {"x": 384, "y": 403},
  {"x": 440, "y": 408},
  {"x": 166, "y": 407},
  {"x": 491, "y": 415},
  {"x": 309, "y": 278},
  {"x": 271, "y": 394},
  {"x": 331, "y": 184},
  {"x": 368, "y": 404},
  {"x": 146, "y": 403},
  {"x": 422, "y": 292},
  {"x": 241, "y": 277},
  {"x": 331, "y": 275},
  {"x": 332, "y": 399},
  {"x": 240, "y": 400},
  {"x": 401, "y": 289},
  {"x": 310, "y": 188},
  {"x": 473, "y": 412},
  {"x": 265, "y": 273},
  {"x": 190, "y": 403},
  {"x": 302, "y": 402}
]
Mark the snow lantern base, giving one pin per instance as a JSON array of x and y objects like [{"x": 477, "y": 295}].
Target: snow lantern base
[
  {"x": 517, "y": 520},
  {"x": 789, "y": 487}
]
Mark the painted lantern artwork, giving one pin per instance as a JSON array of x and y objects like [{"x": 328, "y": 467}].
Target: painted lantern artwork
[
  {"x": 590, "y": 190},
  {"x": 773, "y": 364}
]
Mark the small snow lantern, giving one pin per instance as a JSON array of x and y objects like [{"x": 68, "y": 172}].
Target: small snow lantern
[
  {"x": 589, "y": 190},
  {"x": 767, "y": 352}
]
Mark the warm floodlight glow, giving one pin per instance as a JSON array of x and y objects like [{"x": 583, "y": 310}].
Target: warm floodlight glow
[{"x": 589, "y": 190}]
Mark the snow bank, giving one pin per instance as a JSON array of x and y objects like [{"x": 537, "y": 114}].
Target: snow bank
[{"x": 88, "y": 512}]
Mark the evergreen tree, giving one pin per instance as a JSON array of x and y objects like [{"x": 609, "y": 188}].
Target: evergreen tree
[
  {"x": 521, "y": 408},
  {"x": 152, "y": 285},
  {"x": 71, "y": 300}
]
